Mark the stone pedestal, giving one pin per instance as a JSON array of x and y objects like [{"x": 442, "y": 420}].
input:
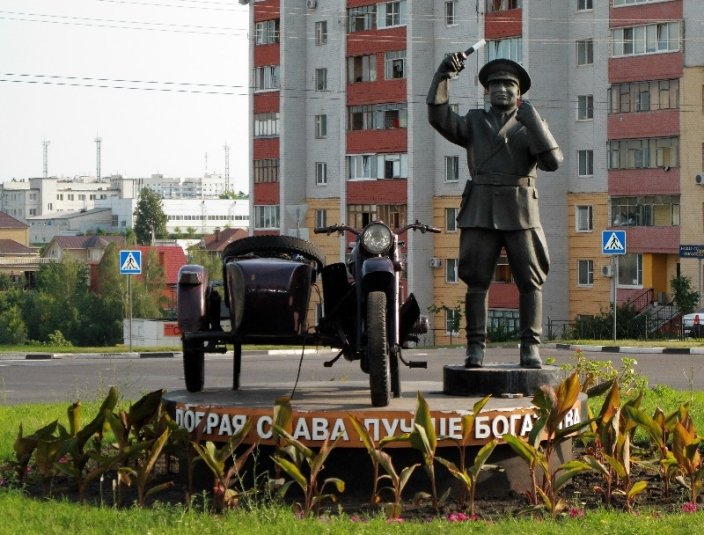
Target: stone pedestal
[{"x": 497, "y": 379}]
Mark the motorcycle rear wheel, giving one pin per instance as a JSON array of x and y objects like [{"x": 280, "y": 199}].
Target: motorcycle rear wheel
[
  {"x": 378, "y": 349},
  {"x": 194, "y": 366}
]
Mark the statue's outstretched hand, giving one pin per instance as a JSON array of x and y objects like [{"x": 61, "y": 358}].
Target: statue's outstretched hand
[
  {"x": 528, "y": 116},
  {"x": 451, "y": 65}
]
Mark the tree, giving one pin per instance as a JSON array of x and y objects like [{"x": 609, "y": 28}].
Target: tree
[
  {"x": 685, "y": 296},
  {"x": 150, "y": 219}
]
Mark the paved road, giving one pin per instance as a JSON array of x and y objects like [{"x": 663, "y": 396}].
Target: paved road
[{"x": 79, "y": 377}]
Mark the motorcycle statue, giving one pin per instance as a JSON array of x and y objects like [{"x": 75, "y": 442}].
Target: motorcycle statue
[{"x": 266, "y": 288}]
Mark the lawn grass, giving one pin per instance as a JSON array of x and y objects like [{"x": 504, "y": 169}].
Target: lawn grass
[{"x": 26, "y": 515}]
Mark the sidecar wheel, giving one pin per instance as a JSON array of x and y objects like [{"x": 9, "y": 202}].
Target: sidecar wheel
[
  {"x": 194, "y": 366},
  {"x": 378, "y": 349}
]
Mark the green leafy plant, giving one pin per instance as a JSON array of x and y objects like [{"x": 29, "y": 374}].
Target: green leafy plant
[
  {"x": 469, "y": 476},
  {"x": 304, "y": 466},
  {"x": 685, "y": 447},
  {"x": 382, "y": 459},
  {"x": 552, "y": 406},
  {"x": 424, "y": 439},
  {"x": 218, "y": 459}
]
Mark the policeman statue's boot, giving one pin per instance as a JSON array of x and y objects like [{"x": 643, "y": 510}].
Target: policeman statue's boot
[
  {"x": 530, "y": 309},
  {"x": 475, "y": 307}
]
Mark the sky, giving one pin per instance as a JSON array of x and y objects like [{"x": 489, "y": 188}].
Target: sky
[{"x": 163, "y": 83}]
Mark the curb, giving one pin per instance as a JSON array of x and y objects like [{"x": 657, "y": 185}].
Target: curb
[{"x": 631, "y": 349}]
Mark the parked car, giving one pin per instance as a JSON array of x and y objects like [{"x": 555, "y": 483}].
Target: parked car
[{"x": 693, "y": 324}]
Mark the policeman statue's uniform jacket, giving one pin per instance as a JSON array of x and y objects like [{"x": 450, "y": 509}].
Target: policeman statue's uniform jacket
[{"x": 503, "y": 154}]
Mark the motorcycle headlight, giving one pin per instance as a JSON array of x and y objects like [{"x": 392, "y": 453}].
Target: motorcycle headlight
[{"x": 376, "y": 238}]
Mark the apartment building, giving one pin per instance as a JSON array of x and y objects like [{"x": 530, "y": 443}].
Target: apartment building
[{"x": 340, "y": 134}]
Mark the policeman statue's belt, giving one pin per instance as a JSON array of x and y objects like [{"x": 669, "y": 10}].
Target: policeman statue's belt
[{"x": 491, "y": 179}]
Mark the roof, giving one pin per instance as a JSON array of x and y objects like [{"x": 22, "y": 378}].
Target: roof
[
  {"x": 173, "y": 258},
  {"x": 7, "y": 221},
  {"x": 218, "y": 241},
  {"x": 86, "y": 242},
  {"x": 11, "y": 247}
]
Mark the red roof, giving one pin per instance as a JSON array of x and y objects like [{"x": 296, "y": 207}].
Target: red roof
[
  {"x": 171, "y": 258},
  {"x": 220, "y": 240},
  {"x": 86, "y": 242},
  {"x": 7, "y": 221},
  {"x": 11, "y": 247}
]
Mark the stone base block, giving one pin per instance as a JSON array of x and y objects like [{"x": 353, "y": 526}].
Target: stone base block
[{"x": 497, "y": 379}]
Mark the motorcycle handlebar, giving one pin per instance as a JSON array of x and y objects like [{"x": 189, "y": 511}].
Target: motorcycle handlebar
[{"x": 342, "y": 228}]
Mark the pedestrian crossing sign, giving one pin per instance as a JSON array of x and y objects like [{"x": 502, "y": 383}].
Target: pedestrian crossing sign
[
  {"x": 130, "y": 262},
  {"x": 613, "y": 242}
]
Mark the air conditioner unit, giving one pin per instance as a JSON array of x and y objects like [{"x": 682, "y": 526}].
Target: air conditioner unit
[
  {"x": 435, "y": 262},
  {"x": 699, "y": 179},
  {"x": 312, "y": 4},
  {"x": 606, "y": 271}
]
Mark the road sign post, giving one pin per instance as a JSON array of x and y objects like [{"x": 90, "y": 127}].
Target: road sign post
[
  {"x": 613, "y": 243},
  {"x": 130, "y": 264}
]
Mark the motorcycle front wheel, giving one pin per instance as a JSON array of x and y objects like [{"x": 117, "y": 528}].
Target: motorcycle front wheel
[{"x": 378, "y": 349}]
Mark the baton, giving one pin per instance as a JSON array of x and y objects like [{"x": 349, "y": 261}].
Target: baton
[{"x": 476, "y": 46}]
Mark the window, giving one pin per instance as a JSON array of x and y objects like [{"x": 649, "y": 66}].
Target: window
[
  {"x": 266, "y": 217},
  {"x": 394, "y": 165},
  {"x": 361, "y": 166},
  {"x": 585, "y": 162},
  {"x": 585, "y": 107},
  {"x": 504, "y": 320},
  {"x": 321, "y": 126},
  {"x": 373, "y": 166},
  {"x": 646, "y": 211},
  {"x": 361, "y": 69},
  {"x": 360, "y": 215},
  {"x": 643, "y": 153},
  {"x": 266, "y": 78},
  {"x": 321, "y": 218},
  {"x": 647, "y": 39},
  {"x": 452, "y": 168},
  {"x": 502, "y": 271},
  {"x": 266, "y": 170},
  {"x": 320, "y": 79},
  {"x": 391, "y": 14},
  {"x": 643, "y": 96},
  {"x": 395, "y": 64},
  {"x": 584, "y": 221},
  {"x": 360, "y": 117},
  {"x": 266, "y": 124},
  {"x": 630, "y": 270},
  {"x": 454, "y": 108},
  {"x": 450, "y": 219},
  {"x": 585, "y": 272},
  {"x": 511, "y": 48},
  {"x": 618, "y": 3},
  {"x": 450, "y": 10},
  {"x": 502, "y": 5},
  {"x": 267, "y": 32},
  {"x": 451, "y": 270},
  {"x": 585, "y": 52},
  {"x": 452, "y": 321},
  {"x": 321, "y": 32},
  {"x": 381, "y": 116},
  {"x": 362, "y": 18},
  {"x": 321, "y": 173},
  {"x": 585, "y": 5}
]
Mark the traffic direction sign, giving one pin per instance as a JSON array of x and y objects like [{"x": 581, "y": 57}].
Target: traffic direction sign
[
  {"x": 613, "y": 242},
  {"x": 130, "y": 262}
]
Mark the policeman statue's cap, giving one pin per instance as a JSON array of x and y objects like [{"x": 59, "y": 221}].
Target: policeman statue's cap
[{"x": 504, "y": 69}]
